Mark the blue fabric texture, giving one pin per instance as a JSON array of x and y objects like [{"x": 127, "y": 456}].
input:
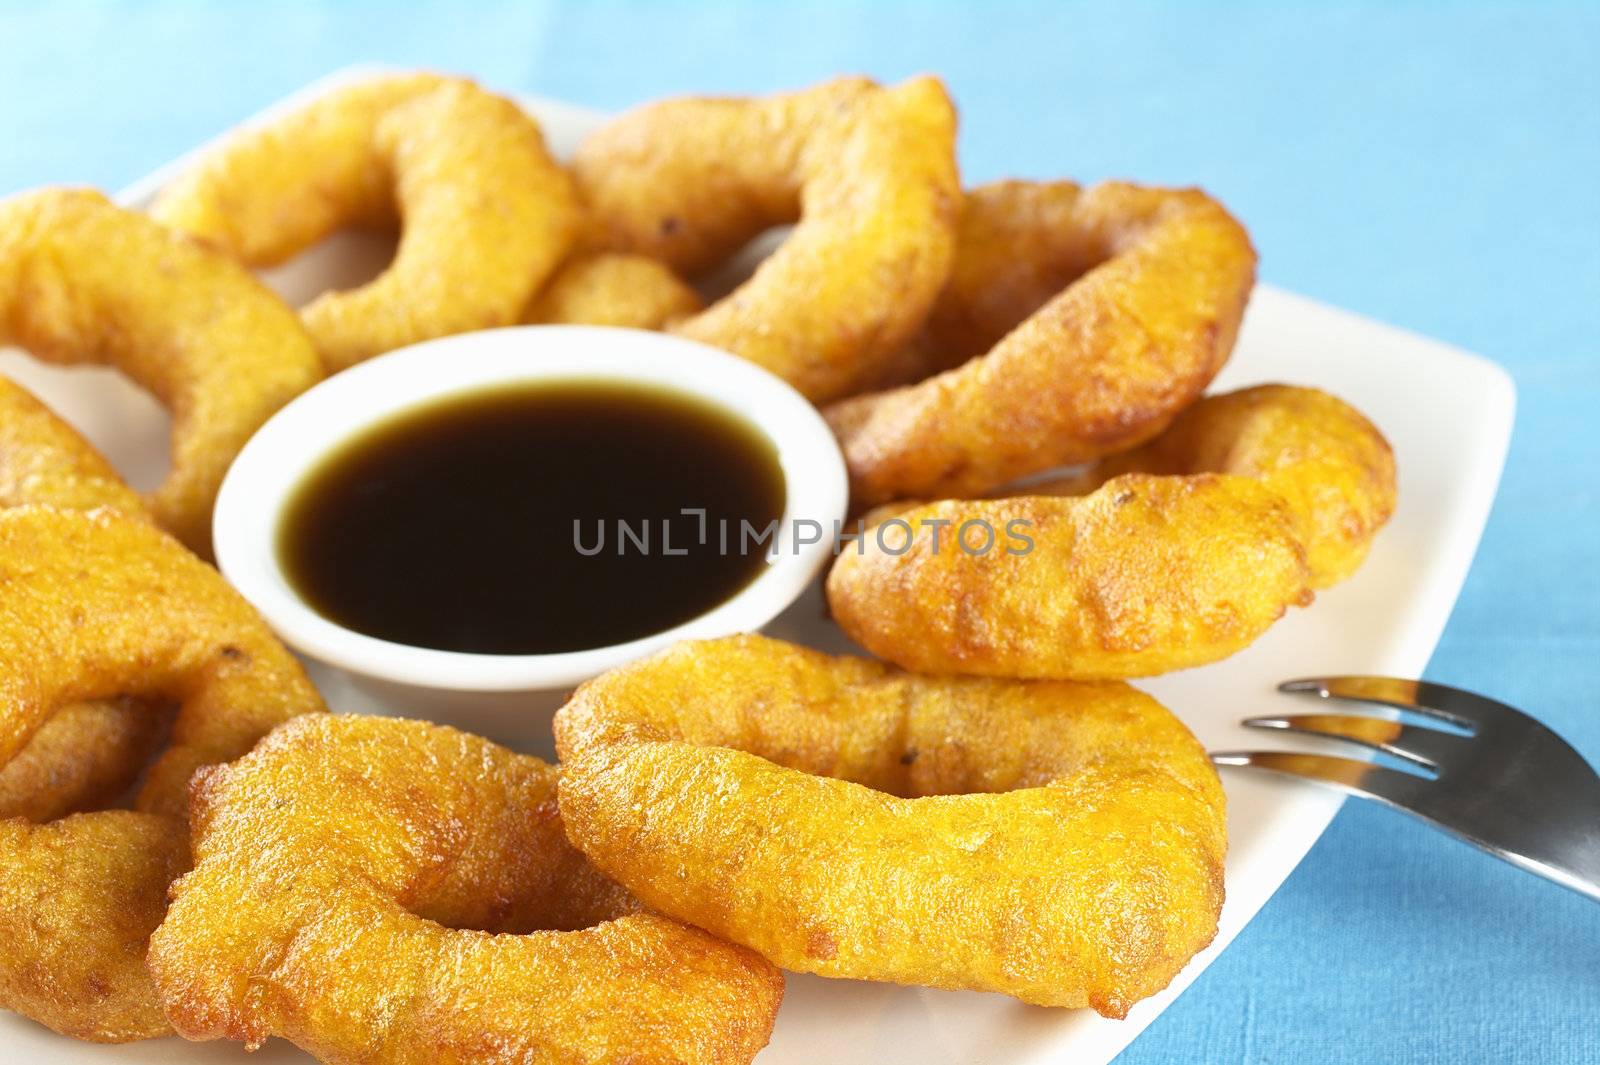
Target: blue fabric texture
[{"x": 1435, "y": 166}]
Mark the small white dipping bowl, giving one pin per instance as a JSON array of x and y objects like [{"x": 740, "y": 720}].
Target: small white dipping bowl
[{"x": 511, "y": 697}]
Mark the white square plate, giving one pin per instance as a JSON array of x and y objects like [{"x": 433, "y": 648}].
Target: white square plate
[{"x": 1448, "y": 415}]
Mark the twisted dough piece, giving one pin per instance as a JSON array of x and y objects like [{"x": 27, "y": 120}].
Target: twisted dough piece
[
  {"x": 485, "y": 213},
  {"x": 101, "y": 605},
  {"x": 1059, "y": 842},
  {"x": 343, "y": 871},
  {"x": 1076, "y": 323},
  {"x": 1179, "y": 553},
  {"x": 868, "y": 172},
  {"x": 84, "y": 281}
]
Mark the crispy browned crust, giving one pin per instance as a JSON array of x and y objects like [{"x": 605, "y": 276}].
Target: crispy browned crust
[
  {"x": 616, "y": 289},
  {"x": 100, "y": 605},
  {"x": 1144, "y": 576},
  {"x": 82, "y": 281},
  {"x": 1180, "y": 553},
  {"x": 1059, "y": 842},
  {"x": 486, "y": 214},
  {"x": 1329, "y": 463},
  {"x": 370, "y": 889},
  {"x": 867, "y": 172},
  {"x": 1076, "y": 323}
]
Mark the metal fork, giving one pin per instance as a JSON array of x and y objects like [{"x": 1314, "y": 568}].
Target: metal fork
[{"x": 1508, "y": 785}]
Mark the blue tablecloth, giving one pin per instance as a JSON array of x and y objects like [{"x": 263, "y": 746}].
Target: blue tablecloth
[{"x": 1433, "y": 166}]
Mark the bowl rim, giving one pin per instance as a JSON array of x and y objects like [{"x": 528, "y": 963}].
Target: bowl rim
[{"x": 275, "y": 461}]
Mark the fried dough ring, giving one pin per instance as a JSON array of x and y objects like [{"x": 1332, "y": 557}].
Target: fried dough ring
[
  {"x": 89, "y": 753},
  {"x": 1181, "y": 552},
  {"x": 1059, "y": 842},
  {"x": 1103, "y": 312},
  {"x": 83, "y": 281},
  {"x": 100, "y": 605},
  {"x": 343, "y": 868},
  {"x": 870, "y": 174},
  {"x": 609, "y": 288},
  {"x": 486, "y": 214}
]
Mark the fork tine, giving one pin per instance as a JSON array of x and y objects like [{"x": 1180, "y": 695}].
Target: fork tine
[
  {"x": 1425, "y": 747},
  {"x": 1568, "y": 853},
  {"x": 1391, "y": 786},
  {"x": 1462, "y": 708}
]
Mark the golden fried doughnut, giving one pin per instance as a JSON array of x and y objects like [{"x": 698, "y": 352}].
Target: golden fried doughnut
[
  {"x": 485, "y": 213},
  {"x": 89, "y": 753},
  {"x": 84, "y": 281},
  {"x": 100, "y": 605},
  {"x": 1076, "y": 323},
  {"x": 868, "y": 172},
  {"x": 1060, "y": 842},
  {"x": 386, "y": 891},
  {"x": 1181, "y": 552},
  {"x": 610, "y": 288}
]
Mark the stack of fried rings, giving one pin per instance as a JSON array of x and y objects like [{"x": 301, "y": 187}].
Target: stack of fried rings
[
  {"x": 1056, "y": 841},
  {"x": 486, "y": 213},
  {"x": 84, "y": 281},
  {"x": 1168, "y": 556},
  {"x": 101, "y": 605},
  {"x": 374, "y": 851}
]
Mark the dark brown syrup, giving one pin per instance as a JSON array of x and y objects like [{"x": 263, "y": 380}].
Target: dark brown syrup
[{"x": 533, "y": 519}]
